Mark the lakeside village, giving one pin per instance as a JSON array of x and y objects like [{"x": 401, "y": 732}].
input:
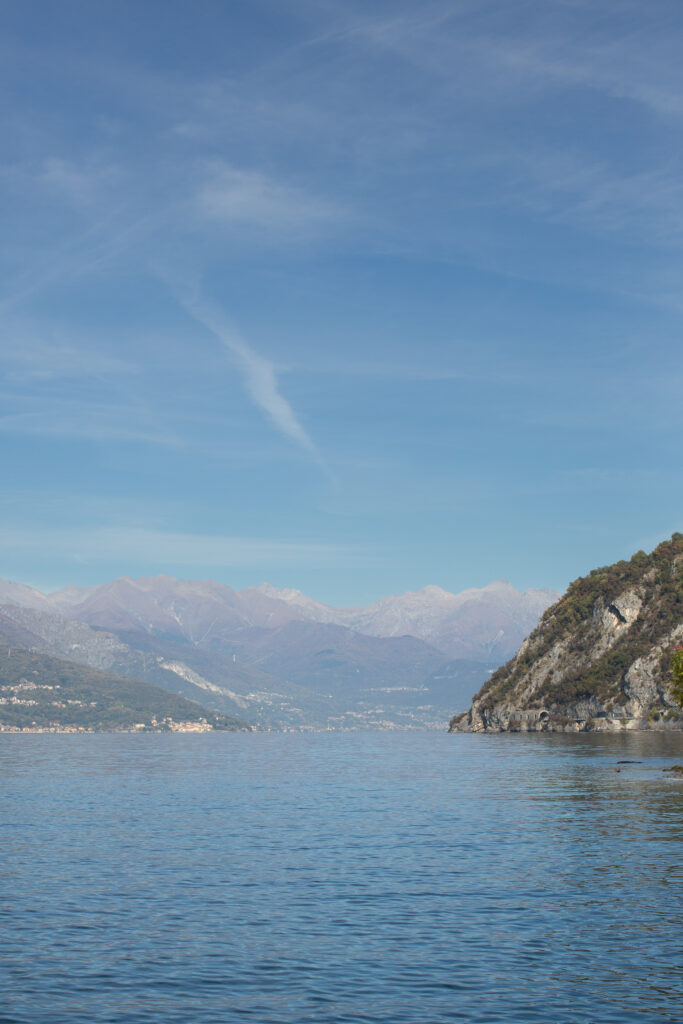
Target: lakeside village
[
  {"x": 22, "y": 695},
  {"x": 165, "y": 725}
]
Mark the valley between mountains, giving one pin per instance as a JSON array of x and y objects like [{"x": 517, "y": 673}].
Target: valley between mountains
[{"x": 265, "y": 657}]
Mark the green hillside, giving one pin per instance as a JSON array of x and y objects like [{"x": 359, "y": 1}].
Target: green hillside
[{"x": 41, "y": 692}]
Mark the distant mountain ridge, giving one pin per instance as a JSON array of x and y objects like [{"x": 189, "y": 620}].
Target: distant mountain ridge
[
  {"x": 277, "y": 656},
  {"x": 487, "y": 622},
  {"x": 491, "y": 620},
  {"x": 599, "y": 658}
]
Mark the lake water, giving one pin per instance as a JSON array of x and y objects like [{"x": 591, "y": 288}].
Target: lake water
[{"x": 360, "y": 877}]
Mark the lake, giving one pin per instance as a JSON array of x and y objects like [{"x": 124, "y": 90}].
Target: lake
[{"x": 340, "y": 877}]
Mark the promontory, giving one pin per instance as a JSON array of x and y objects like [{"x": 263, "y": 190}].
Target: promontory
[{"x": 600, "y": 658}]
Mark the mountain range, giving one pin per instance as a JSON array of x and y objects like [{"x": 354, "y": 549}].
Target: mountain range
[{"x": 276, "y": 657}]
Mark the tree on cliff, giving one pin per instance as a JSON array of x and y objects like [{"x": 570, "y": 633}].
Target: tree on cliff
[{"x": 677, "y": 674}]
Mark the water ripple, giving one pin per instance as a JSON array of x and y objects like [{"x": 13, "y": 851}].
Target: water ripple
[{"x": 401, "y": 879}]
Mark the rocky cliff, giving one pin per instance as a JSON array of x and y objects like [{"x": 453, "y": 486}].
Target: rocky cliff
[{"x": 599, "y": 659}]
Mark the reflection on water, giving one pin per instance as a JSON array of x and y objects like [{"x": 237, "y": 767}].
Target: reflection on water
[{"x": 340, "y": 877}]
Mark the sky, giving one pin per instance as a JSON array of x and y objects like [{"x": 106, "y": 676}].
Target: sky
[{"x": 352, "y": 297}]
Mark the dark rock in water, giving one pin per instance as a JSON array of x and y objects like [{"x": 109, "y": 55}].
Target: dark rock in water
[
  {"x": 677, "y": 769},
  {"x": 629, "y": 762}
]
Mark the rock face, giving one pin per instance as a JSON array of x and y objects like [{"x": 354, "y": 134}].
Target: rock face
[{"x": 599, "y": 659}]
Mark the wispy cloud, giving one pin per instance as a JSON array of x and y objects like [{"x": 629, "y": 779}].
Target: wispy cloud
[
  {"x": 613, "y": 50},
  {"x": 589, "y": 193},
  {"x": 250, "y": 197},
  {"x": 23, "y": 360},
  {"x": 131, "y": 545},
  {"x": 386, "y": 370},
  {"x": 627, "y": 67},
  {"x": 68, "y": 417},
  {"x": 478, "y": 63},
  {"x": 76, "y": 182},
  {"x": 260, "y": 376},
  {"x": 79, "y": 255}
]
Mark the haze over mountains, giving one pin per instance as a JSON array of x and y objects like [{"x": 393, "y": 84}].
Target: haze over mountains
[
  {"x": 488, "y": 621},
  {"x": 277, "y": 657}
]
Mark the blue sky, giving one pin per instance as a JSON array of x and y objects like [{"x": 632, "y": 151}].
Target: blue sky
[{"x": 352, "y": 297}]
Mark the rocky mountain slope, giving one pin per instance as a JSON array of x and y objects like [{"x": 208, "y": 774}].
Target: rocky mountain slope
[
  {"x": 600, "y": 657},
  {"x": 200, "y": 612},
  {"x": 21, "y": 595}
]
